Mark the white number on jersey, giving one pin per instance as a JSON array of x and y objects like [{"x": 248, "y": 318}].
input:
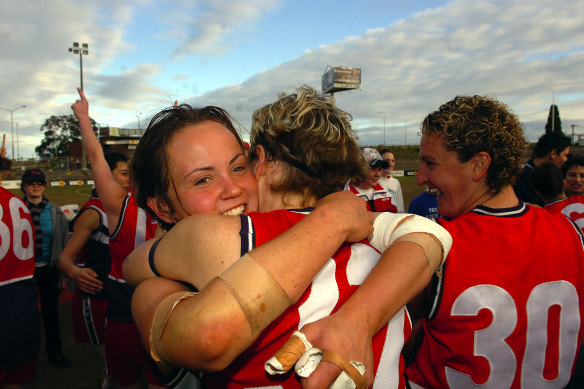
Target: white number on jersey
[
  {"x": 20, "y": 227},
  {"x": 490, "y": 342}
]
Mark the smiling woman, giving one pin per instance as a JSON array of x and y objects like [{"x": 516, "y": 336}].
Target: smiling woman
[{"x": 189, "y": 161}]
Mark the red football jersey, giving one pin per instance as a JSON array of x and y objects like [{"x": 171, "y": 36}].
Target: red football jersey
[
  {"x": 380, "y": 200},
  {"x": 16, "y": 239},
  {"x": 333, "y": 285},
  {"x": 134, "y": 227},
  {"x": 572, "y": 206},
  {"x": 510, "y": 304}
]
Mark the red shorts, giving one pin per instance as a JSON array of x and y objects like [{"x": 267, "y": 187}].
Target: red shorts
[
  {"x": 88, "y": 316},
  {"x": 125, "y": 358},
  {"x": 19, "y": 374}
]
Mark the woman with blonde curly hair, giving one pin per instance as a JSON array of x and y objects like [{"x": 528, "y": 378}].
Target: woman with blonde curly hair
[{"x": 496, "y": 318}]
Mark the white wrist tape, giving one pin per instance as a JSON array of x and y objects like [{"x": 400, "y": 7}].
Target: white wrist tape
[
  {"x": 260, "y": 296},
  {"x": 389, "y": 227}
]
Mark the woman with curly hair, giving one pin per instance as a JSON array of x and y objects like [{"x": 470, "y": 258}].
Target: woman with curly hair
[{"x": 507, "y": 311}]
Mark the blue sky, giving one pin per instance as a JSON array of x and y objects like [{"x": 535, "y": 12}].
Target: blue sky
[{"x": 414, "y": 55}]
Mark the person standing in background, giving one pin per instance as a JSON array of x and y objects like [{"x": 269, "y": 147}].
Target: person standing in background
[
  {"x": 391, "y": 183},
  {"x": 425, "y": 204},
  {"x": 19, "y": 314},
  {"x": 553, "y": 148},
  {"x": 378, "y": 197},
  {"x": 86, "y": 260},
  {"x": 50, "y": 225},
  {"x": 573, "y": 171}
]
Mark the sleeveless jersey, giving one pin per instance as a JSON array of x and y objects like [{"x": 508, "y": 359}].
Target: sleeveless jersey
[
  {"x": 510, "y": 304},
  {"x": 134, "y": 227},
  {"x": 380, "y": 201},
  {"x": 96, "y": 253},
  {"x": 572, "y": 206},
  {"x": 333, "y": 285},
  {"x": 19, "y": 314}
]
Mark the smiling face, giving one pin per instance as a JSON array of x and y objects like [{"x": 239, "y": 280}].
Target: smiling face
[
  {"x": 575, "y": 180},
  {"x": 209, "y": 173},
  {"x": 34, "y": 191},
  {"x": 372, "y": 179},
  {"x": 441, "y": 169}
]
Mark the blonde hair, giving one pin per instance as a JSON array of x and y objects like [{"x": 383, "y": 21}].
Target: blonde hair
[{"x": 313, "y": 138}]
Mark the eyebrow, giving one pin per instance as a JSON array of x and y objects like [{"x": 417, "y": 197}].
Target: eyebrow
[{"x": 207, "y": 168}]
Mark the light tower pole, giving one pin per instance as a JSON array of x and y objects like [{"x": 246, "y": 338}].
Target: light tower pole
[
  {"x": 383, "y": 113},
  {"x": 81, "y": 50},
  {"x": 12, "y": 125}
]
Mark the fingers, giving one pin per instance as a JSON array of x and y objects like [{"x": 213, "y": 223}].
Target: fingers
[
  {"x": 322, "y": 377},
  {"x": 88, "y": 282},
  {"x": 81, "y": 94}
]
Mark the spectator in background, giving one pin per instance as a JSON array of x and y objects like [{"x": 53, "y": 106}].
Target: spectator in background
[
  {"x": 549, "y": 186},
  {"x": 553, "y": 148},
  {"x": 391, "y": 183},
  {"x": 379, "y": 198},
  {"x": 86, "y": 260},
  {"x": 20, "y": 336},
  {"x": 425, "y": 204},
  {"x": 50, "y": 225},
  {"x": 573, "y": 171}
]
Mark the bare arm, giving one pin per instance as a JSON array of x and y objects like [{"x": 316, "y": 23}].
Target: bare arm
[
  {"x": 400, "y": 275},
  {"x": 209, "y": 330},
  {"x": 110, "y": 192},
  {"x": 85, "y": 278}
]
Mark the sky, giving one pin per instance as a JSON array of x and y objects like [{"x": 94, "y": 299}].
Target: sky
[{"x": 413, "y": 55}]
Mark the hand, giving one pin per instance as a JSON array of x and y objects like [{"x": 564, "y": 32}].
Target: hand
[
  {"x": 350, "y": 212},
  {"x": 86, "y": 280},
  {"x": 348, "y": 338},
  {"x": 81, "y": 107}
]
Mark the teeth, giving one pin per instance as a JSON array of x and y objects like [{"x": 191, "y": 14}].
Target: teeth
[{"x": 235, "y": 211}]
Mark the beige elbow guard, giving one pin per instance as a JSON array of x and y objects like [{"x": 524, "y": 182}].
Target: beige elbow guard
[
  {"x": 260, "y": 296},
  {"x": 159, "y": 321},
  {"x": 431, "y": 246}
]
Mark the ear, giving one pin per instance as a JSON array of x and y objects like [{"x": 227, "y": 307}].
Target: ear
[
  {"x": 554, "y": 154},
  {"x": 564, "y": 184},
  {"x": 480, "y": 165},
  {"x": 161, "y": 209},
  {"x": 260, "y": 163}
]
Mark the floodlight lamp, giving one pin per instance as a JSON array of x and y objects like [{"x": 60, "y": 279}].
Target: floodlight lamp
[
  {"x": 85, "y": 46},
  {"x": 75, "y": 44}
]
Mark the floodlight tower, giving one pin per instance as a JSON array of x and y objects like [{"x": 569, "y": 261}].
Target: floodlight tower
[{"x": 81, "y": 50}]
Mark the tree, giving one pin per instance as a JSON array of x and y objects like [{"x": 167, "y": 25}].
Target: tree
[
  {"x": 60, "y": 132},
  {"x": 553, "y": 117}
]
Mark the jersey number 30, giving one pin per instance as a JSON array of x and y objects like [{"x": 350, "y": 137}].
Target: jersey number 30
[{"x": 490, "y": 342}]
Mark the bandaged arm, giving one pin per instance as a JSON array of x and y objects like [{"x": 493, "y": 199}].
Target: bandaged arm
[
  {"x": 413, "y": 248},
  {"x": 208, "y": 330}
]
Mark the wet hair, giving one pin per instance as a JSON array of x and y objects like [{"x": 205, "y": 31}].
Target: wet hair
[
  {"x": 113, "y": 157},
  {"x": 548, "y": 181},
  {"x": 549, "y": 142},
  {"x": 573, "y": 160},
  {"x": 149, "y": 171},
  {"x": 313, "y": 138},
  {"x": 471, "y": 124}
]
